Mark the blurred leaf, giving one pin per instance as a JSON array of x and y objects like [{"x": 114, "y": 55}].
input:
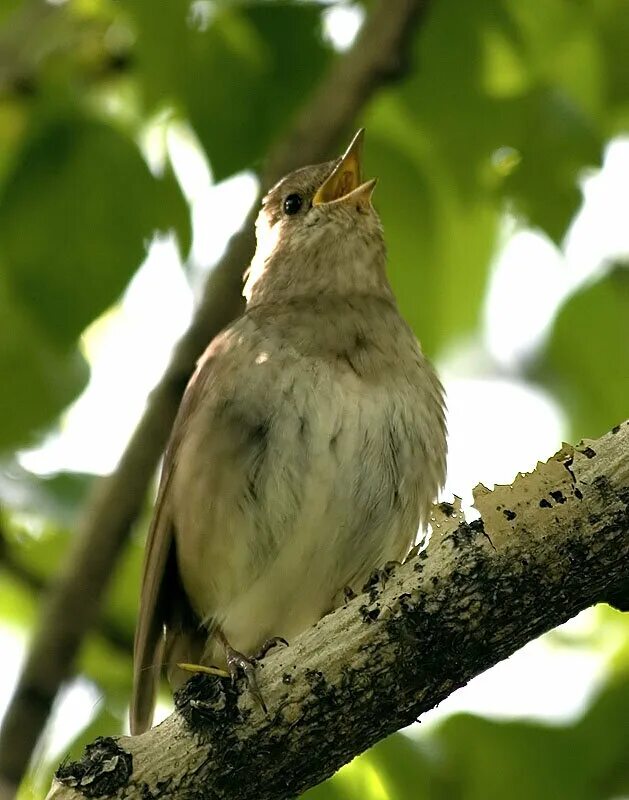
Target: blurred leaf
[
  {"x": 603, "y": 739},
  {"x": 18, "y": 604},
  {"x": 617, "y": 623},
  {"x": 57, "y": 498},
  {"x": 43, "y": 376},
  {"x": 504, "y": 121},
  {"x": 555, "y": 141},
  {"x": 490, "y": 760},
  {"x": 13, "y": 121},
  {"x": 481, "y": 88},
  {"x": 586, "y": 360},
  {"x": 8, "y": 7},
  {"x": 449, "y": 98},
  {"x": 612, "y": 23},
  {"x": 239, "y": 72},
  {"x": 558, "y": 41},
  {"x": 393, "y": 768},
  {"x": 40, "y": 553},
  {"x": 403, "y": 768},
  {"x": 76, "y": 215},
  {"x": 172, "y": 213},
  {"x": 439, "y": 247},
  {"x": 328, "y": 790},
  {"x": 111, "y": 671}
]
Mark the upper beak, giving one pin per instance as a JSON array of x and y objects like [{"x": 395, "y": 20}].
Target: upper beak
[{"x": 344, "y": 183}]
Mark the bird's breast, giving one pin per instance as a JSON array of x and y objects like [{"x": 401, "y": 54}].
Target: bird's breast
[{"x": 294, "y": 483}]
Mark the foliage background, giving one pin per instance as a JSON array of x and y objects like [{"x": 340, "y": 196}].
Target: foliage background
[{"x": 109, "y": 112}]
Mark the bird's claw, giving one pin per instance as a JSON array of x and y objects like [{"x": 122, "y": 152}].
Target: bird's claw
[
  {"x": 237, "y": 661},
  {"x": 269, "y": 645}
]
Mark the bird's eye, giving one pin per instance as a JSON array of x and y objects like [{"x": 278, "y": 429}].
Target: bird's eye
[{"x": 293, "y": 203}]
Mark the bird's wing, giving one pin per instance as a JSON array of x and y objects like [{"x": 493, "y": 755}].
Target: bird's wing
[{"x": 162, "y": 595}]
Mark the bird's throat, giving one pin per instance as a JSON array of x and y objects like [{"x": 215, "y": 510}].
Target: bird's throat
[{"x": 341, "y": 266}]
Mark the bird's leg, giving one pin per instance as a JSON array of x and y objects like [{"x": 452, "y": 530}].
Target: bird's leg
[
  {"x": 235, "y": 661},
  {"x": 349, "y": 594}
]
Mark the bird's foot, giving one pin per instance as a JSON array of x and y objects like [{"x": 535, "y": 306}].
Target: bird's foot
[
  {"x": 379, "y": 577},
  {"x": 349, "y": 594},
  {"x": 269, "y": 645},
  {"x": 237, "y": 661}
]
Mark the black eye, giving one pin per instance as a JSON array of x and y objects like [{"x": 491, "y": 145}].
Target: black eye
[{"x": 293, "y": 203}]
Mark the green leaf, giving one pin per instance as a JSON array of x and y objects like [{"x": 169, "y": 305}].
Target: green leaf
[
  {"x": 402, "y": 768},
  {"x": 110, "y": 669},
  {"x": 8, "y": 8},
  {"x": 239, "y": 75},
  {"x": 41, "y": 376},
  {"x": 586, "y": 360},
  {"x": 18, "y": 604},
  {"x": 57, "y": 498},
  {"x": 554, "y": 140},
  {"x": 490, "y": 82},
  {"x": 395, "y": 767},
  {"x": 39, "y": 555},
  {"x": 172, "y": 212},
  {"x": 75, "y": 218},
  {"x": 492, "y": 760},
  {"x": 489, "y": 760},
  {"x": 439, "y": 246},
  {"x": 612, "y": 24},
  {"x": 504, "y": 125}
]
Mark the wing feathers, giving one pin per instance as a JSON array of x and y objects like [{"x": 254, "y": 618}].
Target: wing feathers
[
  {"x": 149, "y": 634},
  {"x": 162, "y": 598}
]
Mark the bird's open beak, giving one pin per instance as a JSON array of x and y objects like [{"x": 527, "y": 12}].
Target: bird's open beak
[{"x": 344, "y": 182}]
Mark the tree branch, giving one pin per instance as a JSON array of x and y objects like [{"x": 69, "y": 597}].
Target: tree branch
[
  {"x": 72, "y": 605},
  {"x": 546, "y": 547}
]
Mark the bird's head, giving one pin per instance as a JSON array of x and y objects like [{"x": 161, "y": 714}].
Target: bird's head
[{"x": 317, "y": 231}]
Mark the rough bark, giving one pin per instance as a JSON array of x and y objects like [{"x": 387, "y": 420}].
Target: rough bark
[
  {"x": 379, "y": 54},
  {"x": 547, "y": 546}
]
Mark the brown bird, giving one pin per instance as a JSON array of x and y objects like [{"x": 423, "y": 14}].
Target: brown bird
[{"x": 308, "y": 447}]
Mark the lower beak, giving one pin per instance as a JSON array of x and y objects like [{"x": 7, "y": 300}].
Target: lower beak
[{"x": 344, "y": 183}]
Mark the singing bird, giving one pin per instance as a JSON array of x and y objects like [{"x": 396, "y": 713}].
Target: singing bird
[{"x": 308, "y": 447}]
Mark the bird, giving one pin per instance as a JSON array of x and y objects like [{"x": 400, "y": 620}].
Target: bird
[{"x": 307, "y": 450}]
